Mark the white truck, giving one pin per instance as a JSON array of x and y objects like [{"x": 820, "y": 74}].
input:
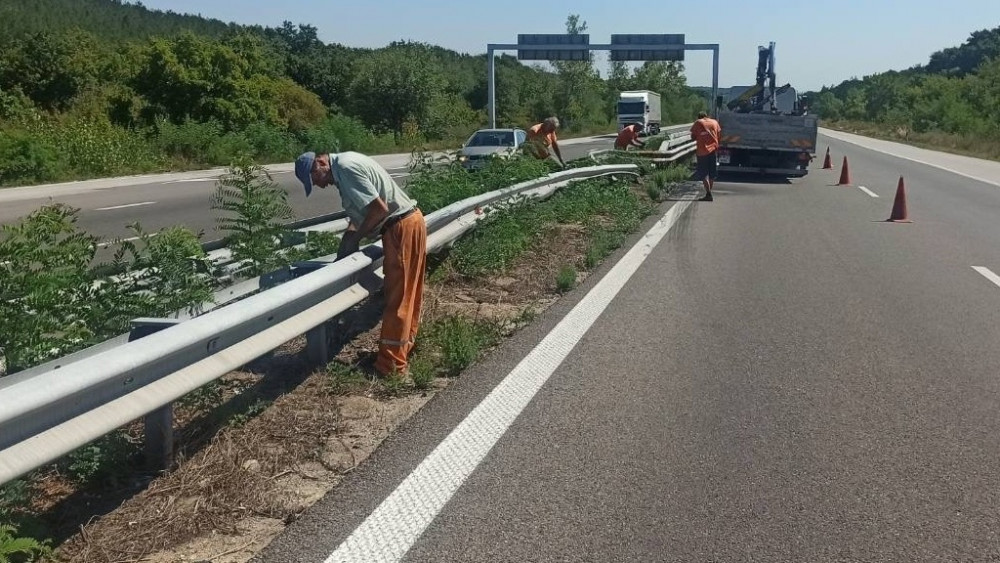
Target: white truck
[{"x": 642, "y": 106}]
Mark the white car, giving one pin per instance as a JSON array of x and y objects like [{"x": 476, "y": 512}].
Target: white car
[{"x": 488, "y": 142}]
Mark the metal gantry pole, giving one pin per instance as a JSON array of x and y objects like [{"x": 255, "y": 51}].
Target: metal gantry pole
[
  {"x": 715, "y": 81},
  {"x": 492, "y": 86}
]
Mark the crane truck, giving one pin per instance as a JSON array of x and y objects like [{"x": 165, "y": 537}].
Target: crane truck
[{"x": 765, "y": 130}]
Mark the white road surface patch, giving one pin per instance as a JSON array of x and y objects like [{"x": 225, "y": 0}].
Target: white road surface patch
[
  {"x": 392, "y": 529},
  {"x": 125, "y": 205},
  {"x": 192, "y": 180},
  {"x": 867, "y": 191},
  {"x": 988, "y": 274}
]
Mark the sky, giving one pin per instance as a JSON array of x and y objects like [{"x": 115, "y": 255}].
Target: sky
[{"x": 818, "y": 42}]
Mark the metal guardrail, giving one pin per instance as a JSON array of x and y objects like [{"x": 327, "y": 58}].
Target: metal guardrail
[
  {"x": 48, "y": 415},
  {"x": 669, "y": 150}
]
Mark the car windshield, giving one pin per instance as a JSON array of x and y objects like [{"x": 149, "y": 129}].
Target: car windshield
[{"x": 492, "y": 139}]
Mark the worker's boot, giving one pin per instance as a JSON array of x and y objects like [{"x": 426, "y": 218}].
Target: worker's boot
[{"x": 707, "y": 197}]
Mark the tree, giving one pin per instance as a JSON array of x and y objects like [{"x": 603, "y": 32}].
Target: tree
[
  {"x": 395, "y": 86},
  {"x": 51, "y": 69},
  {"x": 579, "y": 97},
  {"x": 234, "y": 83}
]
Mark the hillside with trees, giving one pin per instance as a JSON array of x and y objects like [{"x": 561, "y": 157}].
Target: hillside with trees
[
  {"x": 92, "y": 88},
  {"x": 952, "y": 102}
]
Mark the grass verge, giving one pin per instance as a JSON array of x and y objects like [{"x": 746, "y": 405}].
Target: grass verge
[{"x": 962, "y": 144}]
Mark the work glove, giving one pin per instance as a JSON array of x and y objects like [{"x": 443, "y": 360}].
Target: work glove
[{"x": 348, "y": 245}]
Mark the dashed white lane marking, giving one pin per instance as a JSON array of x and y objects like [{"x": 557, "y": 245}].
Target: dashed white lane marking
[
  {"x": 124, "y": 206},
  {"x": 867, "y": 191},
  {"x": 988, "y": 274},
  {"x": 112, "y": 242},
  {"x": 392, "y": 529}
]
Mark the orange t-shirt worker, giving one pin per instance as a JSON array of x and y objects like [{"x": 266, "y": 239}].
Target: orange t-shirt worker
[
  {"x": 706, "y": 132},
  {"x": 541, "y": 136},
  {"x": 629, "y": 136}
]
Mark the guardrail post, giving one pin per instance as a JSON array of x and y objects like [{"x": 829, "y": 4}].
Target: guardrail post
[
  {"x": 318, "y": 345},
  {"x": 160, "y": 438},
  {"x": 159, "y": 424}
]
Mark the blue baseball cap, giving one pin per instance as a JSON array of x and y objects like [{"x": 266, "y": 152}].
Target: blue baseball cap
[{"x": 303, "y": 170}]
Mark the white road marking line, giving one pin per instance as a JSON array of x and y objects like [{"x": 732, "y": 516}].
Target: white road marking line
[
  {"x": 400, "y": 175},
  {"x": 392, "y": 529},
  {"x": 124, "y": 206},
  {"x": 988, "y": 274},
  {"x": 111, "y": 242},
  {"x": 191, "y": 180},
  {"x": 867, "y": 191}
]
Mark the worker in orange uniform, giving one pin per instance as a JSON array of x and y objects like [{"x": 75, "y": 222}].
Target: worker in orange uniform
[
  {"x": 541, "y": 136},
  {"x": 706, "y": 132},
  {"x": 376, "y": 204},
  {"x": 629, "y": 137}
]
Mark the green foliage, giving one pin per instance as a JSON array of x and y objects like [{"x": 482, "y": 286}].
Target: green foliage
[
  {"x": 500, "y": 239},
  {"x": 53, "y": 302},
  {"x": 233, "y": 82},
  {"x": 437, "y": 187},
  {"x": 422, "y": 371},
  {"x": 980, "y": 47},
  {"x": 345, "y": 379},
  {"x": 257, "y": 208},
  {"x": 159, "y": 273},
  {"x": 458, "y": 342},
  {"x": 51, "y": 68},
  {"x": 111, "y": 20},
  {"x": 254, "y": 410},
  {"x": 45, "y": 286},
  {"x": 25, "y": 158},
  {"x": 14, "y": 549},
  {"x": 105, "y": 460},
  {"x": 394, "y": 86},
  {"x": 340, "y": 132},
  {"x": 957, "y": 93},
  {"x": 138, "y": 90},
  {"x": 565, "y": 279}
]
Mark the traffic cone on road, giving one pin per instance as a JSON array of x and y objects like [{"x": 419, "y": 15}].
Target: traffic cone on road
[
  {"x": 827, "y": 163},
  {"x": 899, "y": 212},
  {"x": 845, "y": 174}
]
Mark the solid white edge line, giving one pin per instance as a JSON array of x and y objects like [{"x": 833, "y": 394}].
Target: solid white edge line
[
  {"x": 988, "y": 274},
  {"x": 124, "y": 206},
  {"x": 390, "y": 531},
  {"x": 867, "y": 191}
]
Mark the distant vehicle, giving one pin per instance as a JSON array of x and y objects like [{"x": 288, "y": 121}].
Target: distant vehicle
[
  {"x": 765, "y": 130},
  {"x": 639, "y": 106},
  {"x": 490, "y": 142}
]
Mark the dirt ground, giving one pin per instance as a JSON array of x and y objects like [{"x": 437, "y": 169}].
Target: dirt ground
[{"x": 240, "y": 481}]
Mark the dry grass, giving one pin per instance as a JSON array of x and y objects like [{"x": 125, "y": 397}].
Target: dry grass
[{"x": 230, "y": 497}]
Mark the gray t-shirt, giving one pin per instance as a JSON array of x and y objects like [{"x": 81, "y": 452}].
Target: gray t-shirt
[{"x": 360, "y": 180}]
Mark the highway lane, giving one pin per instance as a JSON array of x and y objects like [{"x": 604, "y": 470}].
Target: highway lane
[
  {"x": 786, "y": 377},
  {"x": 159, "y": 201}
]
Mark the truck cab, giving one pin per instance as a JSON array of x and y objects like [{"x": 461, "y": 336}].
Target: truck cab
[{"x": 639, "y": 106}]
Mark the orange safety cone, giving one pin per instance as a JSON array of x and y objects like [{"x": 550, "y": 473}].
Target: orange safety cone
[
  {"x": 827, "y": 163},
  {"x": 845, "y": 174},
  {"x": 899, "y": 212}
]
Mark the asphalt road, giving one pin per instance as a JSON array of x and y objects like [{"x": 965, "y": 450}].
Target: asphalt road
[
  {"x": 158, "y": 201},
  {"x": 785, "y": 377}
]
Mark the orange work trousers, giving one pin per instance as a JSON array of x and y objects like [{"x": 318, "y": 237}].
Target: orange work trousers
[{"x": 404, "y": 247}]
